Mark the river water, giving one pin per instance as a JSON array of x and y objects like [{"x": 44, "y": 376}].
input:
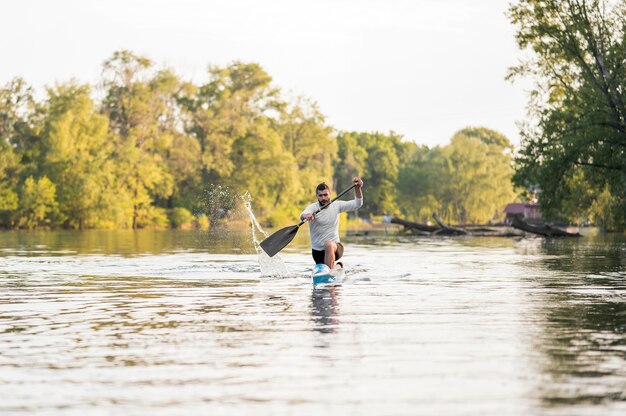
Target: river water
[{"x": 184, "y": 323}]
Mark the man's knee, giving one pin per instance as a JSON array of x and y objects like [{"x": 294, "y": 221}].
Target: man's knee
[{"x": 330, "y": 246}]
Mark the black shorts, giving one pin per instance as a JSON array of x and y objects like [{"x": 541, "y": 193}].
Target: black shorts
[{"x": 319, "y": 255}]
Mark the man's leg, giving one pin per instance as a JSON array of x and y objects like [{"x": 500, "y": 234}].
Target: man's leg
[
  {"x": 330, "y": 247},
  {"x": 338, "y": 255},
  {"x": 318, "y": 256}
]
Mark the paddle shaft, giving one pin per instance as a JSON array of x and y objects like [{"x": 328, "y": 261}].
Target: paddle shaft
[{"x": 327, "y": 205}]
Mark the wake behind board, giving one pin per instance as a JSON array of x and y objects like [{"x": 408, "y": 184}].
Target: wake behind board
[{"x": 324, "y": 275}]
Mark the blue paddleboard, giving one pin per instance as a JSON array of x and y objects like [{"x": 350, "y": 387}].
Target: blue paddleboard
[{"x": 323, "y": 275}]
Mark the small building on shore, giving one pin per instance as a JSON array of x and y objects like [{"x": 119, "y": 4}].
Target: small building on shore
[{"x": 530, "y": 212}]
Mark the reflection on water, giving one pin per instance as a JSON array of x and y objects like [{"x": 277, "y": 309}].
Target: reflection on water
[
  {"x": 584, "y": 346},
  {"x": 122, "y": 242},
  {"x": 325, "y": 308},
  {"x": 182, "y": 322},
  {"x": 583, "y": 333}
]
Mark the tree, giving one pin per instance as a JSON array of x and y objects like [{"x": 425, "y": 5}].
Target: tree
[
  {"x": 351, "y": 159},
  {"x": 78, "y": 156},
  {"x": 138, "y": 105},
  {"x": 578, "y": 106},
  {"x": 184, "y": 163},
  {"x": 478, "y": 165},
  {"x": 421, "y": 179},
  {"x": 375, "y": 157},
  {"x": 267, "y": 170},
  {"x": 38, "y": 204},
  {"x": 311, "y": 143},
  {"x": 223, "y": 109},
  {"x": 382, "y": 173},
  {"x": 9, "y": 166},
  {"x": 16, "y": 110},
  {"x": 238, "y": 119},
  {"x": 469, "y": 180}
]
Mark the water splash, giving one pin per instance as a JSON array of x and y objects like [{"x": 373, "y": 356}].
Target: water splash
[
  {"x": 270, "y": 266},
  {"x": 218, "y": 205}
]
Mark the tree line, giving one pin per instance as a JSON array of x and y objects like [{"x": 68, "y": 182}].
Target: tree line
[
  {"x": 146, "y": 148},
  {"x": 574, "y": 142}
]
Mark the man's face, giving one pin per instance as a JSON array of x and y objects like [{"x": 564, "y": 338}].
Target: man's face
[{"x": 323, "y": 197}]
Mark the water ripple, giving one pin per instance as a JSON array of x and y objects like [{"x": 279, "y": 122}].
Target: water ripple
[{"x": 454, "y": 326}]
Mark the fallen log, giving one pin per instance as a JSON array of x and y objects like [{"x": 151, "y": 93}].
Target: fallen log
[
  {"x": 545, "y": 230},
  {"x": 447, "y": 230},
  {"x": 478, "y": 231},
  {"x": 414, "y": 225}
]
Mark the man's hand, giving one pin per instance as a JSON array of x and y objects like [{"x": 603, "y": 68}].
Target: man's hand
[
  {"x": 308, "y": 217},
  {"x": 358, "y": 183}
]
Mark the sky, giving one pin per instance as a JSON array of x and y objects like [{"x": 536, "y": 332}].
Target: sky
[{"x": 423, "y": 69}]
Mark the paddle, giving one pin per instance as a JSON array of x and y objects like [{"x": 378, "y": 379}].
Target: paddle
[{"x": 277, "y": 241}]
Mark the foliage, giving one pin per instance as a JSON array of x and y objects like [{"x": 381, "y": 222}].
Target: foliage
[
  {"x": 235, "y": 118},
  {"x": 604, "y": 210},
  {"x": 467, "y": 181},
  {"x": 16, "y": 105},
  {"x": 375, "y": 157},
  {"x": 138, "y": 106},
  {"x": 76, "y": 155},
  {"x": 153, "y": 217},
  {"x": 576, "y": 142},
  {"x": 202, "y": 222},
  {"x": 311, "y": 143},
  {"x": 478, "y": 168},
  {"x": 38, "y": 205},
  {"x": 9, "y": 165},
  {"x": 155, "y": 148},
  {"x": 180, "y": 217}
]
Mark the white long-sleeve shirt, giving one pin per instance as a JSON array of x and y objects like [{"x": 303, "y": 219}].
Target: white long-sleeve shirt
[{"x": 325, "y": 226}]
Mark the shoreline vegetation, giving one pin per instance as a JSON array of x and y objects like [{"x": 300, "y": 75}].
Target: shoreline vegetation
[
  {"x": 145, "y": 148},
  {"x": 353, "y": 228}
]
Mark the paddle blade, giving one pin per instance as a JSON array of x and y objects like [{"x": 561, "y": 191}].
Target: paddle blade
[{"x": 277, "y": 241}]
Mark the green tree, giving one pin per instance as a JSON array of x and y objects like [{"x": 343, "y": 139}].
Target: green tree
[
  {"x": 38, "y": 205},
  {"x": 479, "y": 171},
  {"x": 20, "y": 121},
  {"x": 222, "y": 110},
  {"x": 421, "y": 179},
  {"x": 376, "y": 157},
  {"x": 9, "y": 166},
  {"x": 77, "y": 157},
  {"x": 578, "y": 106},
  {"x": 180, "y": 217},
  {"x": 267, "y": 170},
  {"x": 576, "y": 197},
  {"x": 184, "y": 163},
  {"x": 311, "y": 144},
  {"x": 138, "y": 105},
  {"x": 603, "y": 210},
  {"x": 351, "y": 159},
  {"x": 236, "y": 119},
  {"x": 16, "y": 111},
  {"x": 467, "y": 181},
  {"x": 382, "y": 174}
]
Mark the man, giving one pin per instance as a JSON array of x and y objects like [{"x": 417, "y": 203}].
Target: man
[{"x": 324, "y": 226}]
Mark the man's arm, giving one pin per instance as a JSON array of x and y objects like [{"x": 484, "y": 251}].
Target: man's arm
[
  {"x": 307, "y": 214},
  {"x": 358, "y": 185},
  {"x": 357, "y": 202}
]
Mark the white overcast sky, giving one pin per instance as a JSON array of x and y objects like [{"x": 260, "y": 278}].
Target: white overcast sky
[{"x": 422, "y": 68}]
